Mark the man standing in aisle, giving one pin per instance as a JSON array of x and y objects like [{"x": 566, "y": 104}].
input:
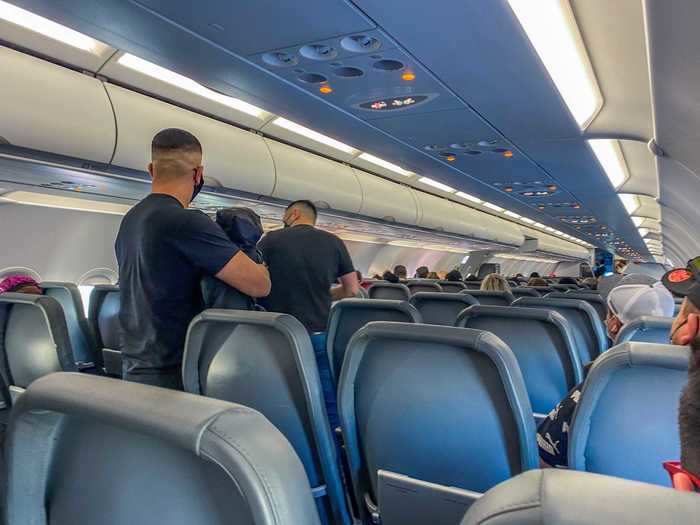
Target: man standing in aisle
[
  {"x": 309, "y": 269},
  {"x": 163, "y": 250}
]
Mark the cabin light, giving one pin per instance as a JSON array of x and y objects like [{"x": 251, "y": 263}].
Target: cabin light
[
  {"x": 408, "y": 76},
  {"x": 368, "y": 239},
  {"x": 549, "y": 229},
  {"x": 511, "y": 214},
  {"x": 326, "y": 90},
  {"x": 43, "y": 200},
  {"x": 551, "y": 27},
  {"x": 539, "y": 225},
  {"x": 611, "y": 159},
  {"x": 407, "y": 244},
  {"x": 386, "y": 165},
  {"x": 629, "y": 201},
  {"x": 175, "y": 79},
  {"x": 643, "y": 231},
  {"x": 48, "y": 28},
  {"x": 313, "y": 135},
  {"x": 493, "y": 207},
  {"x": 526, "y": 220},
  {"x": 637, "y": 221},
  {"x": 436, "y": 184},
  {"x": 468, "y": 197}
]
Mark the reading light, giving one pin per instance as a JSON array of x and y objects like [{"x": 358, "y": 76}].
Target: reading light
[
  {"x": 610, "y": 156},
  {"x": 450, "y": 158},
  {"x": 408, "y": 76},
  {"x": 468, "y": 197},
  {"x": 436, "y": 184},
  {"x": 175, "y": 79},
  {"x": 386, "y": 165},
  {"x": 313, "y": 135},
  {"x": 493, "y": 207},
  {"x": 48, "y": 28},
  {"x": 511, "y": 214},
  {"x": 325, "y": 90},
  {"x": 637, "y": 221},
  {"x": 508, "y": 154},
  {"x": 552, "y": 30},
  {"x": 630, "y": 202}
]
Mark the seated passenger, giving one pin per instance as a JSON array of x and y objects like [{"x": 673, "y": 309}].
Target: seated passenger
[
  {"x": 401, "y": 272},
  {"x": 685, "y": 474},
  {"x": 20, "y": 284},
  {"x": 244, "y": 227},
  {"x": 422, "y": 272},
  {"x": 390, "y": 277},
  {"x": 453, "y": 276},
  {"x": 494, "y": 282},
  {"x": 535, "y": 275},
  {"x": 568, "y": 280},
  {"x": 471, "y": 278},
  {"x": 537, "y": 281},
  {"x": 626, "y": 302},
  {"x": 591, "y": 283},
  {"x": 433, "y": 275}
]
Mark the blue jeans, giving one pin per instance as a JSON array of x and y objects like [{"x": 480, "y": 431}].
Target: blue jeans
[{"x": 318, "y": 341}]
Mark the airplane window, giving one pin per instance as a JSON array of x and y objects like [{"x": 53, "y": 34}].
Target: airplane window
[{"x": 94, "y": 277}]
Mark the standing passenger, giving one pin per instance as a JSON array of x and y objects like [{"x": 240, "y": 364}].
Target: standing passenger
[
  {"x": 163, "y": 251},
  {"x": 305, "y": 263}
]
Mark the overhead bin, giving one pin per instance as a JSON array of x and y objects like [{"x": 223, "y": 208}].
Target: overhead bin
[
  {"x": 238, "y": 159},
  {"x": 444, "y": 215},
  {"x": 554, "y": 245},
  {"x": 386, "y": 200},
  {"x": 303, "y": 175},
  {"x": 54, "y": 109}
]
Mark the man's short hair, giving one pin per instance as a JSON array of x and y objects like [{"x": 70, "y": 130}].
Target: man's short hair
[
  {"x": 174, "y": 139},
  {"x": 306, "y": 206},
  {"x": 422, "y": 272},
  {"x": 400, "y": 271}
]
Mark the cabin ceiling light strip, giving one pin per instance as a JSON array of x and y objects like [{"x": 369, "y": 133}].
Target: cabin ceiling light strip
[
  {"x": 436, "y": 184},
  {"x": 386, "y": 165},
  {"x": 643, "y": 231},
  {"x": 313, "y": 135},
  {"x": 468, "y": 197},
  {"x": 551, "y": 27},
  {"x": 29, "y": 198},
  {"x": 48, "y": 28},
  {"x": 630, "y": 202},
  {"x": 170, "y": 77},
  {"x": 526, "y": 220},
  {"x": 493, "y": 207},
  {"x": 612, "y": 160},
  {"x": 637, "y": 221},
  {"x": 512, "y": 215}
]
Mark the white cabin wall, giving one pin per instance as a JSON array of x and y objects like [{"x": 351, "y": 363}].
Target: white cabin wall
[{"x": 60, "y": 245}]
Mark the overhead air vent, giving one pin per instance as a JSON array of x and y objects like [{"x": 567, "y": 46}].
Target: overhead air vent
[
  {"x": 312, "y": 78},
  {"x": 360, "y": 44},
  {"x": 280, "y": 59},
  {"x": 318, "y": 52},
  {"x": 388, "y": 65},
  {"x": 348, "y": 72}
]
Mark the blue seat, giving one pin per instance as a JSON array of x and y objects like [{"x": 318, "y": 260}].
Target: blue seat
[
  {"x": 473, "y": 285},
  {"x": 391, "y": 291},
  {"x": 265, "y": 361},
  {"x": 83, "y": 344},
  {"x": 542, "y": 343},
  {"x": 349, "y": 315},
  {"x": 491, "y": 298},
  {"x": 452, "y": 286},
  {"x": 595, "y": 300},
  {"x": 587, "y": 328},
  {"x": 34, "y": 341},
  {"x": 103, "y": 318},
  {"x": 542, "y": 290},
  {"x": 441, "y": 308},
  {"x": 647, "y": 329},
  {"x": 626, "y": 421},
  {"x": 439, "y": 404},
  {"x": 419, "y": 285},
  {"x": 524, "y": 291}
]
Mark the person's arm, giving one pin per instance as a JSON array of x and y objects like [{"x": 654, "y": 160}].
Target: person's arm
[
  {"x": 349, "y": 286},
  {"x": 245, "y": 275}
]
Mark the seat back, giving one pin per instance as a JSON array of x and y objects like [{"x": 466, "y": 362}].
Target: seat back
[
  {"x": 82, "y": 341},
  {"x": 103, "y": 318},
  {"x": 542, "y": 290},
  {"x": 542, "y": 343},
  {"x": 524, "y": 291},
  {"x": 647, "y": 329},
  {"x": 349, "y": 315},
  {"x": 391, "y": 291},
  {"x": 418, "y": 286},
  {"x": 172, "y": 458},
  {"x": 626, "y": 421},
  {"x": 441, "y": 308},
  {"x": 438, "y": 404},
  {"x": 491, "y": 298},
  {"x": 553, "y": 497},
  {"x": 473, "y": 285},
  {"x": 265, "y": 361},
  {"x": 586, "y": 327},
  {"x": 35, "y": 341},
  {"x": 452, "y": 286},
  {"x": 595, "y": 300}
]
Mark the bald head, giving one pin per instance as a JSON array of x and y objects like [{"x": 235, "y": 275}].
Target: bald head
[{"x": 175, "y": 153}]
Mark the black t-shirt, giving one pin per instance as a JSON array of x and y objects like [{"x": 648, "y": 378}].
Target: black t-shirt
[
  {"x": 163, "y": 251},
  {"x": 304, "y": 262}
]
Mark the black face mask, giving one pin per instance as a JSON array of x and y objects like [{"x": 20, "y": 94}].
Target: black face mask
[{"x": 197, "y": 188}]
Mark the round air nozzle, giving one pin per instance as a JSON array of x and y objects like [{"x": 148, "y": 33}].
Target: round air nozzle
[
  {"x": 312, "y": 78},
  {"x": 318, "y": 52},
  {"x": 388, "y": 65},
  {"x": 280, "y": 59},
  {"x": 360, "y": 43},
  {"x": 348, "y": 72}
]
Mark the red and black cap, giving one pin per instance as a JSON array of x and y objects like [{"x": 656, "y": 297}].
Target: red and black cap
[{"x": 685, "y": 282}]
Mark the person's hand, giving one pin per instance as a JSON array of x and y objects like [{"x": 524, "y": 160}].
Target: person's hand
[{"x": 691, "y": 330}]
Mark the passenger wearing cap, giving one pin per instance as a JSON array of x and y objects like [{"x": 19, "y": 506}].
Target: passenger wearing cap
[{"x": 635, "y": 295}]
